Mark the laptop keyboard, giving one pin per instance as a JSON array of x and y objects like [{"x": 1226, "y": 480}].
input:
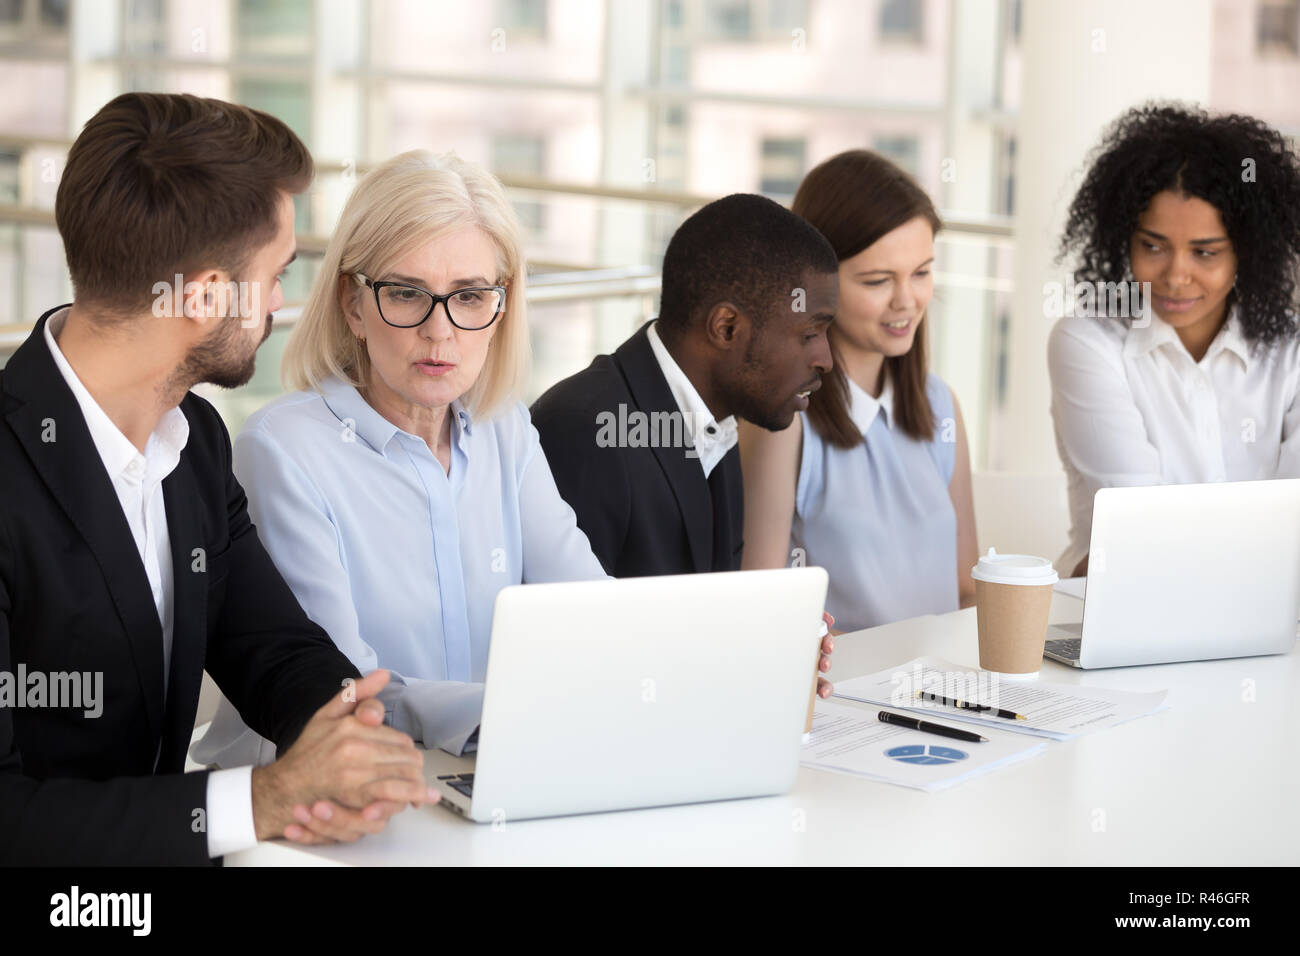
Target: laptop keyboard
[
  {"x": 1066, "y": 647},
  {"x": 460, "y": 782}
]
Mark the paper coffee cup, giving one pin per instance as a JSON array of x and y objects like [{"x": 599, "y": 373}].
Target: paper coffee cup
[
  {"x": 1013, "y": 599},
  {"x": 812, "y": 701}
]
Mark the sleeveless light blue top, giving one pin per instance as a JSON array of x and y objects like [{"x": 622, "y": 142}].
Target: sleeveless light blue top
[{"x": 878, "y": 516}]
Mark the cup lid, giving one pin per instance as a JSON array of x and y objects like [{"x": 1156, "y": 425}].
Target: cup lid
[{"x": 994, "y": 568}]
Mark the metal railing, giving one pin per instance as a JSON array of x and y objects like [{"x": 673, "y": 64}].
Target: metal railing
[{"x": 955, "y": 223}]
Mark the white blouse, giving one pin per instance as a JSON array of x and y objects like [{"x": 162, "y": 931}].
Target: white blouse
[{"x": 1132, "y": 407}]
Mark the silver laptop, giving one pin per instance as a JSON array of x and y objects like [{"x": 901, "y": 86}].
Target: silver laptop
[
  {"x": 1188, "y": 573},
  {"x": 642, "y": 692}
]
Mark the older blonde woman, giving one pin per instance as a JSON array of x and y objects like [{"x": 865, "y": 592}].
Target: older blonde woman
[{"x": 401, "y": 485}]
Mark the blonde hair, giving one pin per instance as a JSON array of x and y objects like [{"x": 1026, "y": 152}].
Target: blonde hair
[{"x": 400, "y": 205}]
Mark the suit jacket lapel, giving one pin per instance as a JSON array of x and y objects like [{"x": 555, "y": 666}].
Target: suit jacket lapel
[
  {"x": 650, "y": 391},
  {"x": 728, "y": 509},
  {"x": 49, "y": 424},
  {"x": 189, "y": 611}
]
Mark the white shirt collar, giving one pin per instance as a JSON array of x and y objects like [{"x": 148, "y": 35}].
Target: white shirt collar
[
  {"x": 1145, "y": 338},
  {"x": 350, "y": 407},
  {"x": 121, "y": 458},
  {"x": 863, "y": 409},
  {"x": 712, "y": 439}
]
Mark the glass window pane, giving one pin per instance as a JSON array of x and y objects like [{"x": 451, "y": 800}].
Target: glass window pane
[
  {"x": 903, "y": 150},
  {"x": 280, "y": 30},
  {"x": 728, "y": 19},
  {"x": 1278, "y": 27},
  {"x": 523, "y": 18},
  {"x": 144, "y": 30},
  {"x": 901, "y": 20},
  {"x": 782, "y": 166}
]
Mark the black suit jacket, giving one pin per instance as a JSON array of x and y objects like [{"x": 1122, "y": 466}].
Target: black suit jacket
[
  {"x": 646, "y": 510},
  {"x": 74, "y": 597}
]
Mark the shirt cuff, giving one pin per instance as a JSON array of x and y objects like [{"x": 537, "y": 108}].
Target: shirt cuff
[
  {"x": 442, "y": 714},
  {"x": 230, "y": 811}
]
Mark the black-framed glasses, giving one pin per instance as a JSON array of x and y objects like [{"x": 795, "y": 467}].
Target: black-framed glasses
[{"x": 406, "y": 306}]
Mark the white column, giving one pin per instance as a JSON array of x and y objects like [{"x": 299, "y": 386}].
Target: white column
[{"x": 1085, "y": 62}]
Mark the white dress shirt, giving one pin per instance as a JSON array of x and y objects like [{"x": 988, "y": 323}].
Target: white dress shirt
[
  {"x": 712, "y": 439},
  {"x": 137, "y": 478},
  {"x": 1132, "y": 407}
]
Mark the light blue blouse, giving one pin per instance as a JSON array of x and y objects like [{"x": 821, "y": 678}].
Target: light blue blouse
[
  {"x": 399, "y": 561},
  {"x": 878, "y": 516}
]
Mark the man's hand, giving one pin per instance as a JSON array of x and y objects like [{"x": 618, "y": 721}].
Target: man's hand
[
  {"x": 327, "y": 822},
  {"x": 824, "y": 687},
  {"x": 353, "y": 772}
]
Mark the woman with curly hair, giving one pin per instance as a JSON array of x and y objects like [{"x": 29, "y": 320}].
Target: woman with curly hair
[{"x": 1201, "y": 384}]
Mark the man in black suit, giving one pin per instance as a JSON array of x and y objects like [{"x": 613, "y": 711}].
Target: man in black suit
[
  {"x": 128, "y": 563},
  {"x": 642, "y": 443}
]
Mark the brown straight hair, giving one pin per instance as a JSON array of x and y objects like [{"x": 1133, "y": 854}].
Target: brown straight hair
[
  {"x": 855, "y": 198},
  {"x": 164, "y": 183}
]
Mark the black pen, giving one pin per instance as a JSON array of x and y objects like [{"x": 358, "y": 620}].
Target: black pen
[
  {"x": 967, "y": 705},
  {"x": 912, "y": 723}
]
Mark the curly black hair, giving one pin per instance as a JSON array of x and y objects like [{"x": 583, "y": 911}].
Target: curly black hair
[{"x": 1171, "y": 146}]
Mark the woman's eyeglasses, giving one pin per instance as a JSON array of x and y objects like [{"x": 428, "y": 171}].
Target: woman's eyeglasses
[{"x": 406, "y": 306}]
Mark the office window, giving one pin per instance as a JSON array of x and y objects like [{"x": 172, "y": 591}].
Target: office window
[
  {"x": 671, "y": 155},
  {"x": 900, "y": 20},
  {"x": 144, "y": 31},
  {"x": 781, "y": 166},
  {"x": 783, "y": 16},
  {"x": 274, "y": 31},
  {"x": 9, "y": 175},
  {"x": 728, "y": 20},
  {"x": 741, "y": 20},
  {"x": 1277, "y": 27},
  {"x": 523, "y": 19},
  {"x": 903, "y": 150},
  {"x": 677, "y": 65},
  {"x": 522, "y": 155},
  {"x": 353, "y": 86},
  {"x": 288, "y": 100},
  {"x": 144, "y": 80},
  {"x": 41, "y": 25},
  {"x": 1007, "y": 176}
]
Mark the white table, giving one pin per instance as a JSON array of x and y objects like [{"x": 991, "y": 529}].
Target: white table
[{"x": 1213, "y": 780}]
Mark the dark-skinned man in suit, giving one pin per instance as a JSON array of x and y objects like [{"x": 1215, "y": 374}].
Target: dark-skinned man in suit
[{"x": 642, "y": 443}]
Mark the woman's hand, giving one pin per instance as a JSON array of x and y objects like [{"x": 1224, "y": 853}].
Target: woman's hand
[{"x": 824, "y": 687}]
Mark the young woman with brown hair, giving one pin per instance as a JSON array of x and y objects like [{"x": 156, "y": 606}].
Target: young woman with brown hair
[{"x": 872, "y": 482}]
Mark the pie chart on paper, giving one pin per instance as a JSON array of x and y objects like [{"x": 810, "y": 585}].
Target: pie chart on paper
[{"x": 925, "y": 754}]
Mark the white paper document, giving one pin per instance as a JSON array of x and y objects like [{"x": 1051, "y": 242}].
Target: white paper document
[
  {"x": 854, "y": 741},
  {"x": 1058, "y": 711}
]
